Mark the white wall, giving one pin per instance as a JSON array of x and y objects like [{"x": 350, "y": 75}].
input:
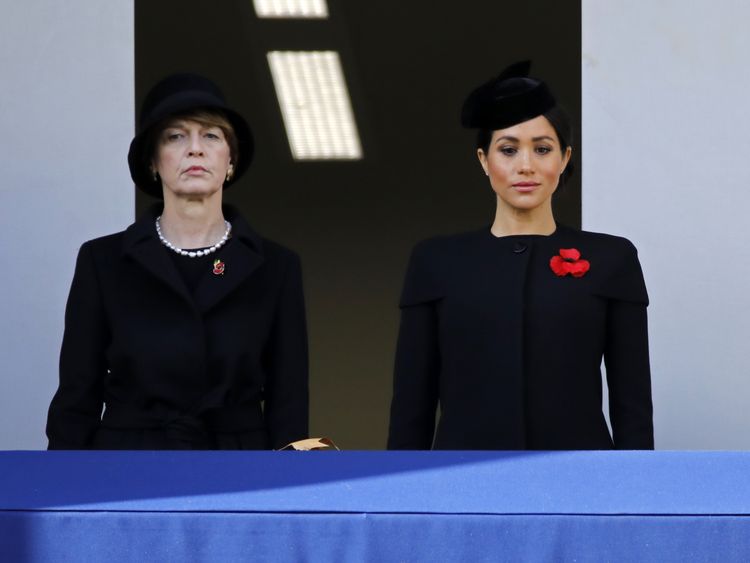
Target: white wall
[
  {"x": 66, "y": 118},
  {"x": 666, "y": 147}
]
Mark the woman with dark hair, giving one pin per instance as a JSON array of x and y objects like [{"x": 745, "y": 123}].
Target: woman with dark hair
[
  {"x": 505, "y": 328},
  {"x": 187, "y": 330}
]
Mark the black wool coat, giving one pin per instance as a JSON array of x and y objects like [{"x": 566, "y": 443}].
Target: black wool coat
[
  {"x": 511, "y": 352},
  {"x": 146, "y": 364}
]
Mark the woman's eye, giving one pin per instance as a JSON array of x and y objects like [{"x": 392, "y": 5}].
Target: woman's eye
[
  {"x": 174, "y": 136},
  {"x": 508, "y": 151},
  {"x": 212, "y": 136},
  {"x": 543, "y": 150}
]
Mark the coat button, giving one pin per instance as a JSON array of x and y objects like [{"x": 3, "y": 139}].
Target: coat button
[{"x": 519, "y": 247}]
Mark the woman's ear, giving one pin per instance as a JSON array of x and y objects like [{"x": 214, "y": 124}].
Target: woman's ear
[
  {"x": 483, "y": 161},
  {"x": 566, "y": 158}
]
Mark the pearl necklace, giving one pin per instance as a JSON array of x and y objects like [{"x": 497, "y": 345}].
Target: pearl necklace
[{"x": 194, "y": 253}]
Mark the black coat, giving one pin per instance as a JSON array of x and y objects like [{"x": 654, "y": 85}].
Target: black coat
[
  {"x": 511, "y": 352},
  {"x": 223, "y": 368}
]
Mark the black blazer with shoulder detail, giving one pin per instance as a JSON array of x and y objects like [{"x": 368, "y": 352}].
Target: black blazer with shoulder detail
[
  {"x": 511, "y": 352},
  {"x": 222, "y": 368}
]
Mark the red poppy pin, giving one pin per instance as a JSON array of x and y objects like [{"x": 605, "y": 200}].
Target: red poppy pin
[
  {"x": 569, "y": 262},
  {"x": 219, "y": 267}
]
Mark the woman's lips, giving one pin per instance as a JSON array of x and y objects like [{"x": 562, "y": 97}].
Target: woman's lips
[
  {"x": 525, "y": 186},
  {"x": 195, "y": 170}
]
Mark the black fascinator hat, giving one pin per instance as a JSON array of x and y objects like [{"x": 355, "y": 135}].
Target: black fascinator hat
[
  {"x": 172, "y": 96},
  {"x": 510, "y": 98}
]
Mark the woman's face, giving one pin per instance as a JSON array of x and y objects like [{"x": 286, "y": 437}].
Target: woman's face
[
  {"x": 524, "y": 163},
  {"x": 192, "y": 159}
]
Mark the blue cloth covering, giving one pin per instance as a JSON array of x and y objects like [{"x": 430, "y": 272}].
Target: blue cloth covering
[{"x": 375, "y": 506}]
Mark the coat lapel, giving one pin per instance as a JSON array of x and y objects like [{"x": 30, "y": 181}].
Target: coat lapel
[
  {"x": 143, "y": 246},
  {"x": 241, "y": 258}
]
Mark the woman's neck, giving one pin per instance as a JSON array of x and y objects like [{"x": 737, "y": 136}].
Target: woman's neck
[
  {"x": 513, "y": 221},
  {"x": 192, "y": 223}
]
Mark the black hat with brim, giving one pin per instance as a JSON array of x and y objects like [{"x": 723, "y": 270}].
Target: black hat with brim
[
  {"x": 172, "y": 96},
  {"x": 510, "y": 98}
]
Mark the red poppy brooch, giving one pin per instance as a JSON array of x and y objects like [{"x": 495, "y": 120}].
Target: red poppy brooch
[
  {"x": 569, "y": 262},
  {"x": 219, "y": 267}
]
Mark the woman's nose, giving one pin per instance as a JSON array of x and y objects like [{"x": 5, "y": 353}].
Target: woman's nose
[
  {"x": 196, "y": 145},
  {"x": 524, "y": 162}
]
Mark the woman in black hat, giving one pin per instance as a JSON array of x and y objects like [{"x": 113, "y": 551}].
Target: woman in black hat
[
  {"x": 505, "y": 328},
  {"x": 187, "y": 330}
]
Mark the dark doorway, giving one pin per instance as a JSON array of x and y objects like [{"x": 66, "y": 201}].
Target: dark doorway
[{"x": 408, "y": 67}]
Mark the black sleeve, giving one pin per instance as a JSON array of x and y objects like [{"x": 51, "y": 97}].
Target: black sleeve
[
  {"x": 417, "y": 366},
  {"x": 75, "y": 410},
  {"x": 626, "y": 357},
  {"x": 286, "y": 390}
]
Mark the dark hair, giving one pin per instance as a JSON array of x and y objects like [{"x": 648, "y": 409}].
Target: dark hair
[{"x": 560, "y": 123}]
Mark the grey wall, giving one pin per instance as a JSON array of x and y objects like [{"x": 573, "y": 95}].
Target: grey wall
[
  {"x": 66, "y": 121},
  {"x": 665, "y": 136}
]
